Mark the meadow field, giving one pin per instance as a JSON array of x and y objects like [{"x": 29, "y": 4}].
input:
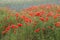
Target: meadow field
[{"x": 40, "y": 22}]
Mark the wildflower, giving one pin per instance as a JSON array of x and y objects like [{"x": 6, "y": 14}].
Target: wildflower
[
  {"x": 13, "y": 26},
  {"x": 39, "y": 13},
  {"x": 8, "y": 28},
  {"x": 50, "y": 14},
  {"x": 23, "y": 17},
  {"x": 16, "y": 26},
  {"x": 49, "y": 6},
  {"x": 27, "y": 20},
  {"x": 31, "y": 14},
  {"x": 57, "y": 24},
  {"x": 37, "y": 30},
  {"x": 46, "y": 19},
  {"x": 17, "y": 14},
  {"x": 19, "y": 24},
  {"x": 42, "y": 19},
  {"x": 56, "y": 15}
]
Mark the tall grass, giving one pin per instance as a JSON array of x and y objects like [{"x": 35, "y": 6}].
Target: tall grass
[{"x": 34, "y": 23}]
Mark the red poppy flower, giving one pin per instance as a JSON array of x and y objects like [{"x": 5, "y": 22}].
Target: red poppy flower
[
  {"x": 42, "y": 19},
  {"x": 27, "y": 20},
  {"x": 23, "y": 17},
  {"x": 13, "y": 26},
  {"x": 49, "y": 6},
  {"x": 39, "y": 13},
  {"x": 50, "y": 14},
  {"x": 19, "y": 24},
  {"x": 17, "y": 14},
  {"x": 56, "y": 15},
  {"x": 8, "y": 28},
  {"x": 37, "y": 30},
  {"x": 57, "y": 24},
  {"x": 31, "y": 14},
  {"x": 16, "y": 26},
  {"x": 46, "y": 19}
]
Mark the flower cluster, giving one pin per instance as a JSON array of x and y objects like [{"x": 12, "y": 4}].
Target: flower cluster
[{"x": 40, "y": 20}]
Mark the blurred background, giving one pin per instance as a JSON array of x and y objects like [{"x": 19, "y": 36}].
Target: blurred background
[{"x": 21, "y": 4}]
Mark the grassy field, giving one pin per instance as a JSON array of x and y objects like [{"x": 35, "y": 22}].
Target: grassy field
[{"x": 34, "y": 23}]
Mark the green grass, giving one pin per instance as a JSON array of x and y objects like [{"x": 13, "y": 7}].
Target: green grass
[{"x": 28, "y": 25}]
